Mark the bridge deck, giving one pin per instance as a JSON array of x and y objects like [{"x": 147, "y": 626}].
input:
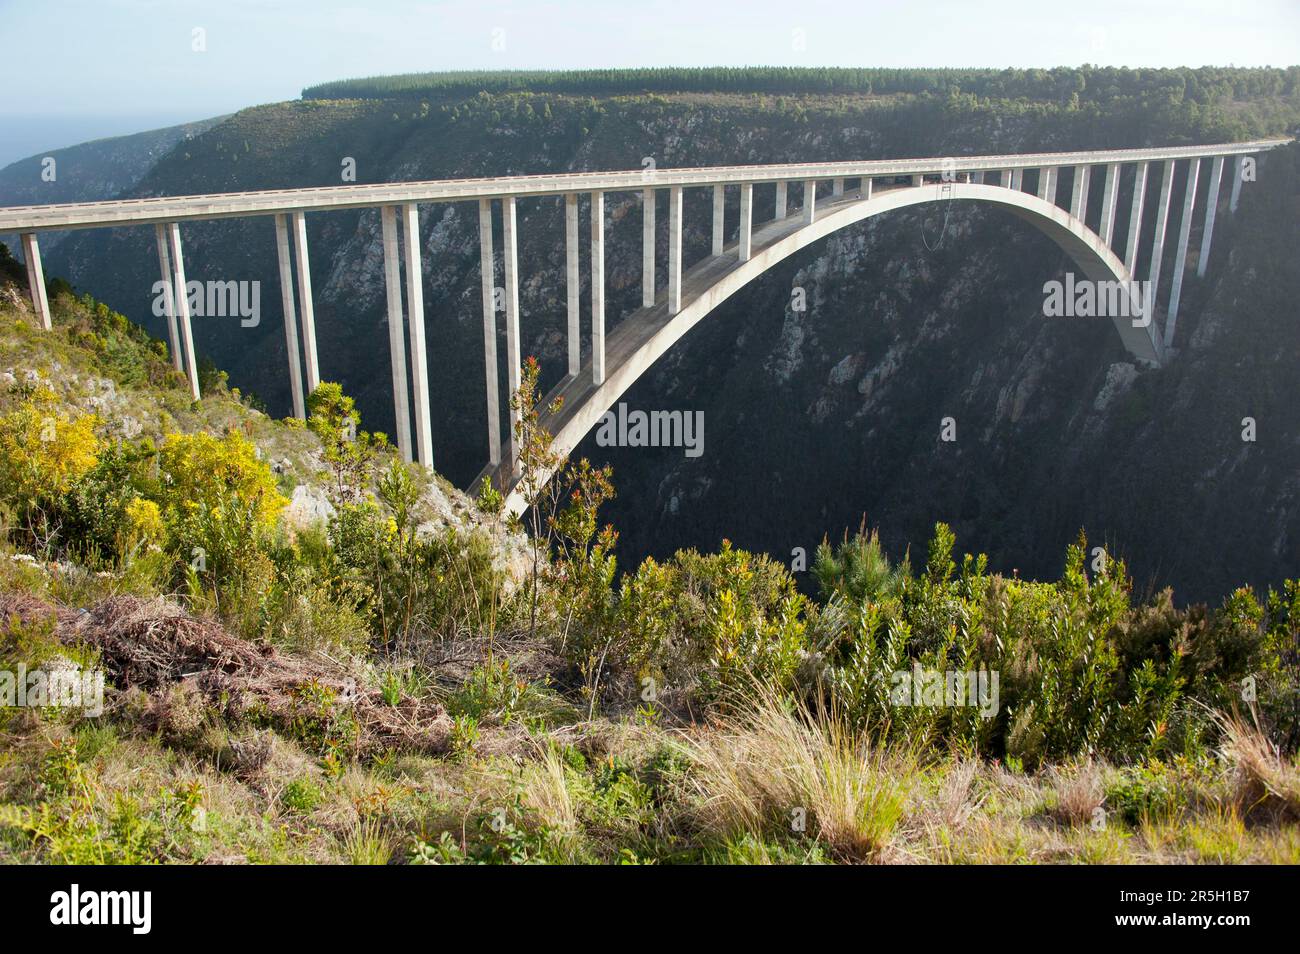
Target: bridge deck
[{"x": 145, "y": 211}]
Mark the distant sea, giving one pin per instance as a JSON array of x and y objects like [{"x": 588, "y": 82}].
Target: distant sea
[{"x": 23, "y": 136}]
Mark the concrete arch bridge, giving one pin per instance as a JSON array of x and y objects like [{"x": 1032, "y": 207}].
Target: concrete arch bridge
[{"x": 1029, "y": 186}]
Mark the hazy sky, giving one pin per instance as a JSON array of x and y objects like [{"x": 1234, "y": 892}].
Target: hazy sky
[{"x": 76, "y": 69}]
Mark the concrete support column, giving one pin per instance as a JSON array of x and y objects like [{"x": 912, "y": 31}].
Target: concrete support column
[
  {"x": 746, "y": 221},
  {"x": 809, "y": 201},
  {"x": 1135, "y": 216},
  {"x": 164, "y": 266},
  {"x": 1162, "y": 226},
  {"x": 781, "y": 190},
  {"x": 290, "y": 315},
  {"x": 305, "y": 306},
  {"x": 918, "y": 181},
  {"x": 1184, "y": 236},
  {"x": 719, "y": 219},
  {"x": 837, "y": 187},
  {"x": 674, "y": 250},
  {"x": 1004, "y": 178},
  {"x": 1107, "y": 224},
  {"x": 865, "y": 187},
  {"x": 647, "y": 247},
  {"x": 598, "y": 288},
  {"x": 1238, "y": 163},
  {"x": 419, "y": 355},
  {"x": 514, "y": 360},
  {"x": 1047, "y": 184},
  {"x": 397, "y": 328},
  {"x": 1079, "y": 192},
  {"x": 1211, "y": 208},
  {"x": 572, "y": 283},
  {"x": 1017, "y": 179},
  {"x": 487, "y": 273},
  {"x": 183, "y": 305},
  {"x": 36, "y": 279}
]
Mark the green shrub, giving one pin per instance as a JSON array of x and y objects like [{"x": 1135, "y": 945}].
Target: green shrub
[
  {"x": 1151, "y": 790},
  {"x": 104, "y": 516},
  {"x": 301, "y": 796},
  {"x": 492, "y": 690},
  {"x": 413, "y": 586},
  {"x": 708, "y": 626},
  {"x": 1080, "y": 669},
  {"x": 350, "y": 451},
  {"x": 858, "y": 570}
]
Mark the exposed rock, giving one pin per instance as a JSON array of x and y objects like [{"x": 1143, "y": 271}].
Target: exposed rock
[
  {"x": 308, "y": 507},
  {"x": 1119, "y": 377}
]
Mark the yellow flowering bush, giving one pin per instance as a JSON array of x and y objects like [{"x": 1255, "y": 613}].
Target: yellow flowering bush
[
  {"x": 202, "y": 472},
  {"x": 144, "y": 524},
  {"x": 43, "y": 451}
]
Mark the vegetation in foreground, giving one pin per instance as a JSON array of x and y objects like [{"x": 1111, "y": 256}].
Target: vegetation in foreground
[{"x": 379, "y": 686}]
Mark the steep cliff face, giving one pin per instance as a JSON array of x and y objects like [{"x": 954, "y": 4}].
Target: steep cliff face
[{"x": 813, "y": 416}]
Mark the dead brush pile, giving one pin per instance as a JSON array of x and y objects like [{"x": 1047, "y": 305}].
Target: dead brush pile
[{"x": 156, "y": 647}]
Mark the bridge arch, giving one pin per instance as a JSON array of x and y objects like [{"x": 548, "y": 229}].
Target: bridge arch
[{"x": 644, "y": 336}]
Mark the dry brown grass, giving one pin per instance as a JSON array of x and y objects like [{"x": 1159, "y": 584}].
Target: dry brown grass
[
  {"x": 775, "y": 764},
  {"x": 546, "y": 794},
  {"x": 954, "y": 801},
  {"x": 1079, "y": 792},
  {"x": 1265, "y": 781}
]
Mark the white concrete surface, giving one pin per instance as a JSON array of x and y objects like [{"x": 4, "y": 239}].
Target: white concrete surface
[
  {"x": 1135, "y": 215},
  {"x": 397, "y": 331},
  {"x": 1180, "y": 257},
  {"x": 487, "y": 292},
  {"x": 419, "y": 367},
  {"x": 169, "y": 303},
  {"x": 306, "y": 304},
  {"x": 598, "y": 287},
  {"x": 1211, "y": 210},
  {"x": 290, "y": 316},
  {"x": 647, "y": 334},
  {"x": 182, "y": 305},
  {"x": 514, "y": 357}
]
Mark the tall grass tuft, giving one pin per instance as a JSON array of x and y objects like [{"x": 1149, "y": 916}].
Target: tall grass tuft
[
  {"x": 1264, "y": 778},
  {"x": 367, "y": 844},
  {"x": 547, "y": 793},
  {"x": 776, "y": 768},
  {"x": 1080, "y": 794}
]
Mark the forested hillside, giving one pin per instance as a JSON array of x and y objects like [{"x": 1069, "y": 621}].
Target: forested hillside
[{"x": 1069, "y": 86}]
